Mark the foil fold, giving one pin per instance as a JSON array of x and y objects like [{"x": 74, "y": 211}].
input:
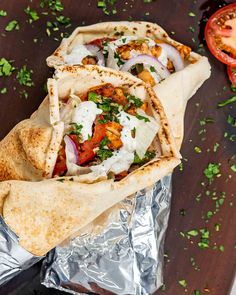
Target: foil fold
[
  {"x": 121, "y": 252},
  {"x": 13, "y": 258}
]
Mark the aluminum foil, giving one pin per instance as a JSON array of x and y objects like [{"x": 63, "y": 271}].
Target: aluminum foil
[
  {"x": 13, "y": 258},
  {"x": 120, "y": 253}
]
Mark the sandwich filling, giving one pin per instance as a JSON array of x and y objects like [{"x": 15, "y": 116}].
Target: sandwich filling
[
  {"x": 108, "y": 131},
  {"x": 150, "y": 60}
]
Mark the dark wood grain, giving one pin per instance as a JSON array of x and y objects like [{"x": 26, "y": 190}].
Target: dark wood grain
[{"x": 217, "y": 268}]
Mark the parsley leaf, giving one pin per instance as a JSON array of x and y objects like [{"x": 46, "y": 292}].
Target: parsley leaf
[
  {"x": 137, "y": 102},
  {"x": 231, "y": 120},
  {"x": 54, "y": 5},
  {"x": 183, "y": 283},
  {"x": 3, "y": 13},
  {"x": 142, "y": 118},
  {"x": 226, "y": 102},
  {"x": 24, "y": 76},
  {"x": 104, "y": 153},
  {"x": 76, "y": 129},
  {"x": 6, "y": 68},
  {"x": 32, "y": 13},
  {"x": 212, "y": 171},
  {"x": 149, "y": 155},
  {"x": 12, "y": 25}
]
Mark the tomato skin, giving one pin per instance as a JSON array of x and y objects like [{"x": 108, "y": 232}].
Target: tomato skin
[
  {"x": 99, "y": 42},
  {"x": 60, "y": 166},
  {"x": 86, "y": 153},
  {"x": 232, "y": 75},
  {"x": 211, "y": 29}
]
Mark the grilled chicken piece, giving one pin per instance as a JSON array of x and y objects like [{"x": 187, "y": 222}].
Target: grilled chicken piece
[
  {"x": 89, "y": 60},
  {"x": 119, "y": 97},
  {"x": 113, "y": 133},
  {"x": 125, "y": 50},
  {"x": 184, "y": 51},
  {"x": 146, "y": 76}
]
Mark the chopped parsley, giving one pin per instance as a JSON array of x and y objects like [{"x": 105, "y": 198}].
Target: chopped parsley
[
  {"x": 197, "y": 150},
  {"x": 24, "y": 76},
  {"x": 142, "y": 118},
  {"x": 6, "y": 67},
  {"x": 12, "y": 25},
  {"x": 204, "y": 242},
  {"x": 226, "y": 102},
  {"x": 137, "y": 102},
  {"x": 104, "y": 153},
  {"x": 212, "y": 171},
  {"x": 119, "y": 60},
  {"x": 54, "y": 5},
  {"x": 183, "y": 283},
  {"x": 3, "y": 90},
  {"x": 107, "y": 6},
  {"x": 231, "y": 120},
  {"x": 3, "y": 13},
  {"x": 32, "y": 14},
  {"x": 192, "y": 14},
  {"x": 76, "y": 129},
  {"x": 197, "y": 292},
  {"x": 149, "y": 155},
  {"x": 152, "y": 69}
]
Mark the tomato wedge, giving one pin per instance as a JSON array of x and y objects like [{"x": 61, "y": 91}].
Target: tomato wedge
[
  {"x": 220, "y": 34},
  {"x": 86, "y": 153},
  {"x": 232, "y": 75},
  {"x": 60, "y": 166}
]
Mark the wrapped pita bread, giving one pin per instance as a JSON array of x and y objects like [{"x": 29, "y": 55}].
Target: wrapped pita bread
[
  {"x": 174, "y": 90},
  {"x": 45, "y": 213}
]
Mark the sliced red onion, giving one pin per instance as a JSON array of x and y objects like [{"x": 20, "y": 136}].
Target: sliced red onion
[
  {"x": 174, "y": 55},
  {"x": 95, "y": 50},
  {"x": 146, "y": 60},
  {"x": 71, "y": 150}
]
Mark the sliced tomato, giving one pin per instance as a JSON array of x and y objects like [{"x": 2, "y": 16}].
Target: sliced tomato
[
  {"x": 86, "y": 153},
  {"x": 99, "y": 42},
  {"x": 232, "y": 75},
  {"x": 60, "y": 167},
  {"x": 220, "y": 34}
]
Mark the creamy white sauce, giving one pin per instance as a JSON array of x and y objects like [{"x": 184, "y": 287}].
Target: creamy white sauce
[
  {"x": 78, "y": 53},
  {"x": 85, "y": 114},
  {"x": 122, "y": 159}
]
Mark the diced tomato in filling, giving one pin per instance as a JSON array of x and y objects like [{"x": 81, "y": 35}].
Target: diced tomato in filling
[
  {"x": 99, "y": 42},
  {"x": 86, "y": 153},
  {"x": 60, "y": 167}
]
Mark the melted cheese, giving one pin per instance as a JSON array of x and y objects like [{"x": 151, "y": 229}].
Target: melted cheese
[{"x": 85, "y": 114}]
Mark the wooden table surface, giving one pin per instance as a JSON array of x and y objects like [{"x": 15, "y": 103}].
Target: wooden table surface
[{"x": 211, "y": 270}]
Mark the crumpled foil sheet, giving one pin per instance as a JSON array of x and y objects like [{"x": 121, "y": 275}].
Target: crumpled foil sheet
[
  {"x": 120, "y": 253},
  {"x": 13, "y": 258}
]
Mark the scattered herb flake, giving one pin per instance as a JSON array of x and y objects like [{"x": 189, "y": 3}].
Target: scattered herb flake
[
  {"x": 197, "y": 150},
  {"x": 142, "y": 118},
  {"x": 231, "y": 120},
  {"x": 212, "y": 171},
  {"x": 192, "y": 14},
  {"x": 226, "y": 102},
  {"x": 215, "y": 148},
  {"x": 3, "y": 13},
  {"x": 183, "y": 283},
  {"x": 197, "y": 292},
  {"x": 3, "y": 90},
  {"x": 12, "y": 25},
  {"x": 54, "y": 5},
  {"x": 24, "y": 76},
  {"x": 6, "y": 67},
  {"x": 32, "y": 14}
]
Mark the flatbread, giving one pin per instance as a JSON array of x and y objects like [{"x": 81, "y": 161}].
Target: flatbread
[
  {"x": 173, "y": 92},
  {"x": 45, "y": 213}
]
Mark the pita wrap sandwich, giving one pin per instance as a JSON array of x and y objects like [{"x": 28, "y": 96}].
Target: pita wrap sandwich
[
  {"x": 145, "y": 50},
  {"x": 104, "y": 136}
]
